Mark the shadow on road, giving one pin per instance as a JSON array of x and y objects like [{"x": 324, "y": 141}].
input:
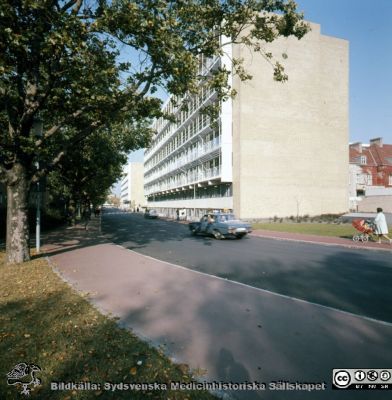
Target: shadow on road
[
  {"x": 242, "y": 335},
  {"x": 68, "y": 239},
  {"x": 345, "y": 280},
  {"x": 357, "y": 281},
  {"x": 135, "y": 232},
  {"x": 236, "y": 332}
]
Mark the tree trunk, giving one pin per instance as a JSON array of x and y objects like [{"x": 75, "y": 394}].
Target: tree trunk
[{"x": 18, "y": 236}]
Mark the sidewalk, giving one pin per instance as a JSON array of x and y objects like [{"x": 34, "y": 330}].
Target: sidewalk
[
  {"x": 322, "y": 240},
  {"x": 229, "y": 331}
]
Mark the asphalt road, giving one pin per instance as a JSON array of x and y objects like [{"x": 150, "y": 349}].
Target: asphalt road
[{"x": 355, "y": 281}]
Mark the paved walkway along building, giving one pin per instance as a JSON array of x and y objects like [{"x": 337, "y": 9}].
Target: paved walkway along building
[{"x": 276, "y": 149}]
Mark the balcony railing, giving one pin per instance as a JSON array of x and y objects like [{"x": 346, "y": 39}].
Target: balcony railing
[
  {"x": 191, "y": 156},
  {"x": 185, "y": 180},
  {"x": 153, "y": 150}
]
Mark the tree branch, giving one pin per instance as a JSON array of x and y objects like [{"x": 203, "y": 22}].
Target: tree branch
[
  {"x": 66, "y": 6},
  {"x": 82, "y": 135},
  {"x": 148, "y": 81},
  {"x": 77, "y": 6},
  {"x": 54, "y": 129}
]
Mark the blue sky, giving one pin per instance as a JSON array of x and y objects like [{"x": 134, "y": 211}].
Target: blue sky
[{"x": 367, "y": 26}]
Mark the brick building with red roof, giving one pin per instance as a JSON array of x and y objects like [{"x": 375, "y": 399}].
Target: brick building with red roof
[
  {"x": 374, "y": 160},
  {"x": 370, "y": 173}
]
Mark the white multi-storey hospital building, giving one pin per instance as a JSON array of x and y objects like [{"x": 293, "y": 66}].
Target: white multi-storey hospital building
[{"x": 277, "y": 149}]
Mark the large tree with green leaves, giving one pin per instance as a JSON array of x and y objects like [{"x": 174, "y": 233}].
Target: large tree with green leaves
[
  {"x": 86, "y": 174},
  {"x": 83, "y": 65}
]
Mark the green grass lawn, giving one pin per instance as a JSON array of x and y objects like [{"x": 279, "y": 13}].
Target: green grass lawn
[
  {"x": 45, "y": 322},
  {"x": 321, "y": 229}
]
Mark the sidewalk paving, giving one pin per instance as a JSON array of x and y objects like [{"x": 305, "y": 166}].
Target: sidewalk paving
[
  {"x": 234, "y": 332},
  {"x": 323, "y": 240}
]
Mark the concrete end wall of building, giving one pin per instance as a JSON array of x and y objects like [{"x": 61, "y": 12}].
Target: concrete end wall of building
[
  {"x": 137, "y": 184},
  {"x": 290, "y": 139}
]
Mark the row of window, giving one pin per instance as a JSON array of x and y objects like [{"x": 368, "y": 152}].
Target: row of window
[
  {"x": 186, "y": 108},
  {"x": 196, "y": 124},
  {"x": 205, "y": 65},
  {"x": 193, "y": 151},
  {"x": 193, "y": 126},
  {"x": 213, "y": 191},
  {"x": 193, "y": 103},
  {"x": 367, "y": 179},
  {"x": 363, "y": 160},
  {"x": 205, "y": 171}
]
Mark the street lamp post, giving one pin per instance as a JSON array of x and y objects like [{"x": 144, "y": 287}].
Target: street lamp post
[
  {"x": 37, "y": 131},
  {"x": 38, "y": 220}
]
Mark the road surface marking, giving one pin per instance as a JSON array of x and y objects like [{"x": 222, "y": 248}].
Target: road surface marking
[
  {"x": 263, "y": 290},
  {"x": 347, "y": 246}
]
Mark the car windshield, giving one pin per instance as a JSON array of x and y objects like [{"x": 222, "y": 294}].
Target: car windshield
[{"x": 226, "y": 217}]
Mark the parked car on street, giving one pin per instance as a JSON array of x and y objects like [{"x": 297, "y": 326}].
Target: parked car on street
[
  {"x": 151, "y": 214},
  {"x": 220, "y": 225}
]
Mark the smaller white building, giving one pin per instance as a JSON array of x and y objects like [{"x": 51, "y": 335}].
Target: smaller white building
[{"x": 132, "y": 187}]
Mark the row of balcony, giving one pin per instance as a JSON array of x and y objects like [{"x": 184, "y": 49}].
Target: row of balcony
[
  {"x": 194, "y": 154},
  {"x": 176, "y": 183},
  {"x": 207, "y": 66},
  {"x": 162, "y": 142},
  {"x": 209, "y": 63}
]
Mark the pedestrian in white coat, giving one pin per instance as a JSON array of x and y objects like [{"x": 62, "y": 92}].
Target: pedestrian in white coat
[{"x": 381, "y": 226}]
